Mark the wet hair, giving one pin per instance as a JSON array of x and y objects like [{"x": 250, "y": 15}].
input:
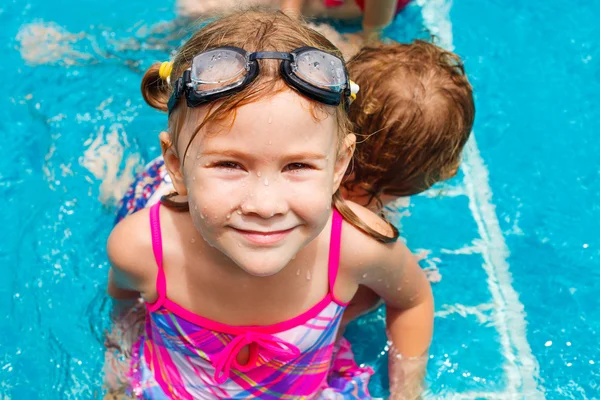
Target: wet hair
[
  {"x": 413, "y": 116},
  {"x": 251, "y": 30}
]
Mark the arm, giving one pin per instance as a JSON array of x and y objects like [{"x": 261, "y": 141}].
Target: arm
[
  {"x": 126, "y": 277},
  {"x": 409, "y": 305},
  {"x": 377, "y": 15},
  {"x": 392, "y": 272},
  {"x": 410, "y": 328}
]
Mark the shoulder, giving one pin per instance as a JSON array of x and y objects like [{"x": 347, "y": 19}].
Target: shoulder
[
  {"x": 129, "y": 249},
  {"x": 389, "y": 269},
  {"x": 360, "y": 252}
]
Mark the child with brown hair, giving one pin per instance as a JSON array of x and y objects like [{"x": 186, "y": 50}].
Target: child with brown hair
[
  {"x": 244, "y": 289},
  {"x": 412, "y": 117}
]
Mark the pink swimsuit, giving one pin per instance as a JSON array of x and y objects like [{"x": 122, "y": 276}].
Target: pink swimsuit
[{"x": 185, "y": 356}]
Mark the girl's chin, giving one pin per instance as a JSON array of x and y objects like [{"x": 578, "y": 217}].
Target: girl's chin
[{"x": 260, "y": 265}]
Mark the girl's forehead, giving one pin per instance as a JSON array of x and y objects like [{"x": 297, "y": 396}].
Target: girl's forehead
[{"x": 277, "y": 121}]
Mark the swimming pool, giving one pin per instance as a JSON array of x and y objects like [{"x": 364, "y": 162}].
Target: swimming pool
[{"x": 513, "y": 237}]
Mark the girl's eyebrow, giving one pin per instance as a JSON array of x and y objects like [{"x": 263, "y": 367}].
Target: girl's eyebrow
[{"x": 241, "y": 155}]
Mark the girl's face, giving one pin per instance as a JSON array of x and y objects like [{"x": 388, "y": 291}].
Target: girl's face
[{"x": 261, "y": 189}]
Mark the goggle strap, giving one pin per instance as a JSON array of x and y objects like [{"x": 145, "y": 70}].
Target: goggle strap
[{"x": 276, "y": 55}]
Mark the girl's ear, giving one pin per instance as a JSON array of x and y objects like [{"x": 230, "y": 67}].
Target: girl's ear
[
  {"x": 173, "y": 163},
  {"x": 344, "y": 157}
]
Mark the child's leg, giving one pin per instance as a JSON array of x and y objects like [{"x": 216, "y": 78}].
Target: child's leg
[{"x": 119, "y": 343}]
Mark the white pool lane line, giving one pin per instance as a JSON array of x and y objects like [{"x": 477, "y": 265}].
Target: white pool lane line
[{"x": 521, "y": 367}]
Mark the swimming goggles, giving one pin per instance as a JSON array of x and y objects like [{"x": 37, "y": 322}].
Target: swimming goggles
[{"x": 219, "y": 72}]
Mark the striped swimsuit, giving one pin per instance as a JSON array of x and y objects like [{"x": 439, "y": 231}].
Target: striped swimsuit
[{"x": 182, "y": 355}]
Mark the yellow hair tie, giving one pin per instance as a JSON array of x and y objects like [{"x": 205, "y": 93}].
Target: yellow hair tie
[
  {"x": 354, "y": 88},
  {"x": 165, "y": 70}
]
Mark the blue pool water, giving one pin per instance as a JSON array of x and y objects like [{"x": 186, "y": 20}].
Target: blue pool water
[{"x": 514, "y": 237}]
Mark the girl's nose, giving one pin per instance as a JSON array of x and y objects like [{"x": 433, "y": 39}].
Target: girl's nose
[{"x": 265, "y": 199}]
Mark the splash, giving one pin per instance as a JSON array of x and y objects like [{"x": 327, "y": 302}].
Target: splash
[
  {"x": 48, "y": 43},
  {"x": 103, "y": 158}
]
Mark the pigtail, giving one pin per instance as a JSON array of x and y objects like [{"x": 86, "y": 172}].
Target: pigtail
[
  {"x": 349, "y": 215},
  {"x": 167, "y": 201},
  {"x": 156, "y": 91}
]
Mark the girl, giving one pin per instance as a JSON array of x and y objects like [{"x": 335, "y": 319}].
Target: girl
[{"x": 244, "y": 292}]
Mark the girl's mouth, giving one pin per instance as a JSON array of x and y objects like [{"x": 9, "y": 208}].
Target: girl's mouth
[{"x": 264, "y": 238}]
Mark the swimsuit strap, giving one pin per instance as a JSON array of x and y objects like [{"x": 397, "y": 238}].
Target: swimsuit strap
[
  {"x": 161, "y": 282},
  {"x": 334, "y": 249}
]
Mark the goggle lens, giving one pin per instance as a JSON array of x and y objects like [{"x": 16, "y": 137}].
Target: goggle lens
[
  {"x": 218, "y": 69},
  {"x": 321, "y": 69}
]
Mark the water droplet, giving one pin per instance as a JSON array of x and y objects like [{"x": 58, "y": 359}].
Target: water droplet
[
  {"x": 202, "y": 216},
  {"x": 270, "y": 120},
  {"x": 206, "y": 165},
  {"x": 548, "y": 343},
  {"x": 585, "y": 245},
  {"x": 266, "y": 182},
  {"x": 258, "y": 174},
  {"x": 270, "y": 142},
  {"x": 198, "y": 157},
  {"x": 228, "y": 216},
  {"x": 239, "y": 212},
  {"x": 297, "y": 272},
  {"x": 308, "y": 275},
  {"x": 364, "y": 276},
  {"x": 239, "y": 244},
  {"x": 193, "y": 178},
  {"x": 398, "y": 289},
  {"x": 193, "y": 240}
]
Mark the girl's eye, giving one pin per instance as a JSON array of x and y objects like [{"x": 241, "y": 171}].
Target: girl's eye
[
  {"x": 296, "y": 167},
  {"x": 228, "y": 165}
]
